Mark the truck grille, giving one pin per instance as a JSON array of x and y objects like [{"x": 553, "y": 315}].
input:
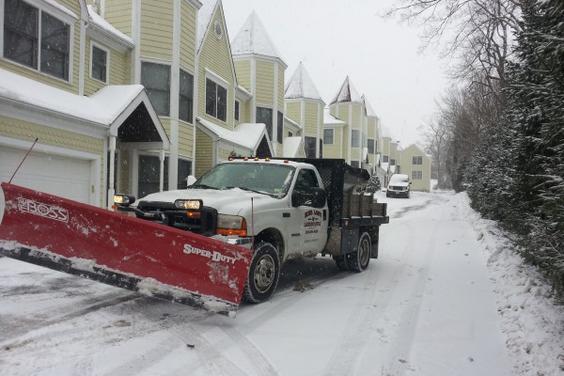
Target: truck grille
[{"x": 166, "y": 213}]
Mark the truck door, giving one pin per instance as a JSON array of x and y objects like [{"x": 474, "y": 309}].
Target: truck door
[{"x": 312, "y": 220}]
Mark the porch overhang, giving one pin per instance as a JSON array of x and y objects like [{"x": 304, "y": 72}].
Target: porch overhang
[{"x": 247, "y": 136}]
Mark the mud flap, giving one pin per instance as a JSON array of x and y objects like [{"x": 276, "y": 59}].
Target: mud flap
[{"x": 142, "y": 256}]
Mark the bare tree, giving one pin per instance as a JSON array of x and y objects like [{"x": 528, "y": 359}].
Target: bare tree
[{"x": 437, "y": 136}]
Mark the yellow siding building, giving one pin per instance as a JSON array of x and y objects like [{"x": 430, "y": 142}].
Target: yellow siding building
[{"x": 417, "y": 165}]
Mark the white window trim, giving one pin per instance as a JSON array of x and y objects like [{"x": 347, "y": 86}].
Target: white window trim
[
  {"x": 105, "y": 49},
  {"x": 56, "y": 13},
  {"x": 333, "y": 138},
  {"x": 359, "y": 139},
  {"x": 216, "y": 78}
]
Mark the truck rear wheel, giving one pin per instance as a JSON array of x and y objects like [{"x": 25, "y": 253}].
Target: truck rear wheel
[
  {"x": 264, "y": 273},
  {"x": 359, "y": 260}
]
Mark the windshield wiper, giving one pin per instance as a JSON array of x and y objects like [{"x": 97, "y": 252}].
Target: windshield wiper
[
  {"x": 250, "y": 190},
  {"x": 202, "y": 186}
]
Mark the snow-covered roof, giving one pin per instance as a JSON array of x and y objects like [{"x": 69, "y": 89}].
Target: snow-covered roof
[
  {"x": 347, "y": 93},
  {"x": 301, "y": 85},
  {"x": 246, "y": 135},
  {"x": 244, "y": 91},
  {"x": 252, "y": 38},
  {"x": 329, "y": 119},
  {"x": 205, "y": 15},
  {"x": 293, "y": 147},
  {"x": 294, "y": 123},
  {"x": 369, "y": 110},
  {"x": 102, "y": 108},
  {"x": 107, "y": 28},
  {"x": 385, "y": 132}
]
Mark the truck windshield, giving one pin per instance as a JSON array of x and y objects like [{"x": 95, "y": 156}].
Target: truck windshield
[{"x": 271, "y": 179}]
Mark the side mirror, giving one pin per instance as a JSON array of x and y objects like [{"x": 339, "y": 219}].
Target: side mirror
[{"x": 190, "y": 180}]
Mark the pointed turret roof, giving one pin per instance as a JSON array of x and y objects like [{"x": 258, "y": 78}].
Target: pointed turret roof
[
  {"x": 369, "y": 110},
  {"x": 347, "y": 93},
  {"x": 253, "y": 39},
  {"x": 301, "y": 85}
]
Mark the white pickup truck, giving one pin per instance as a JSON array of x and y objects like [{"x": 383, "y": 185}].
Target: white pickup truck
[{"x": 279, "y": 208}]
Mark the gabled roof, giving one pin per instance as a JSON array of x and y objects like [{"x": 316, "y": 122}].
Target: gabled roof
[
  {"x": 107, "y": 109},
  {"x": 252, "y": 39},
  {"x": 248, "y": 136},
  {"x": 301, "y": 85},
  {"x": 205, "y": 15},
  {"x": 347, "y": 93},
  {"x": 293, "y": 147},
  {"x": 329, "y": 119},
  {"x": 103, "y": 26}
]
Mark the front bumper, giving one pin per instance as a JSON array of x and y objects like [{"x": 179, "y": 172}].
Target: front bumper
[
  {"x": 397, "y": 193},
  {"x": 235, "y": 240}
]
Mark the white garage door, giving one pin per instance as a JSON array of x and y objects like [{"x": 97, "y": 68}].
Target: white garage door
[{"x": 62, "y": 176}]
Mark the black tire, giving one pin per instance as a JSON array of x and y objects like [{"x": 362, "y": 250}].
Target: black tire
[
  {"x": 341, "y": 262},
  {"x": 358, "y": 261},
  {"x": 264, "y": 273}
]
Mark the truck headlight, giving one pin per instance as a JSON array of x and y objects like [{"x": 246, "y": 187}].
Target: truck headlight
[
  {"x": 189, "y": 204},
  {"x": 229, "y": 225},
  {"x": 124, "y": 200}
]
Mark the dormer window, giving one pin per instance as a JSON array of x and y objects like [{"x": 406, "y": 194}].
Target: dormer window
[
  {"x": 218, "y": 29},
  {"x": 216, "y": 100},
  {"x": 99, "y": 68}
]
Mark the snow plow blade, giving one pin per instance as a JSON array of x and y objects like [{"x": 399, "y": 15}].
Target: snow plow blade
[{"x": 152, "y": 259}]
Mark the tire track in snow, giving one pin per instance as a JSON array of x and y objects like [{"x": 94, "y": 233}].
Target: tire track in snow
[
  {"x": 109, "y": 300},
  {"x": 409, "y": 319},
  {"x": 360, "y": 329}
]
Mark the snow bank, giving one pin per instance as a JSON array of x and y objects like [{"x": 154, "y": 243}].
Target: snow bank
[{"x": 531, "y": 322}]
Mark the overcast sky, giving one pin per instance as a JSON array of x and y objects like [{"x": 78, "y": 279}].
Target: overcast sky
[{"x": 339, "y": 38}]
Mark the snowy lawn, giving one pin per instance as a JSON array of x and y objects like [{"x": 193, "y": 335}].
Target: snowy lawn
[{"x": 446, "y": 297}]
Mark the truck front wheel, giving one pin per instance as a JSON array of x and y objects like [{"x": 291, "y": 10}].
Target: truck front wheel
[
  {"x": 263, "y": 273},
  {"x": 359, "y": 260}
]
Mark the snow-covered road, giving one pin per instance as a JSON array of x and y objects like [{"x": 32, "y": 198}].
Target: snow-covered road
[{"x": 427, "y": 306}]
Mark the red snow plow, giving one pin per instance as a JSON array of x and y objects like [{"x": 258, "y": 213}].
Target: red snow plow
[{"x": 131, "y": 253}]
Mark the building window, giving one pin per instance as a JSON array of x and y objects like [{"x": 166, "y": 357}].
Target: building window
[
  {"x": 186, "y": 97},
  {"x": 392, "y": 162},
  {"x": 46, "y": 48},
  {"x": 216, "y": 100},
  {"x": 280, "y": 129},
  {"x": 320, "y": 148},
  {"x": 417, "y": 175},
  {"x": 385, "y": 158},
  {"x": 237, "y": 110},
  {"x": 184, "y": 170},
  {"x": 99, "y": 64},
  {"x": 290, "y": 134},
  {"x": 328, "y": 136},
  {"x": 309, "y": 146},
  {"x": 371, "y": 146},
  {"x": 355, "y": 138},
  {"x": 264, "y": 116},
  {"x": 355, "y": 164},
  {"x": 417, "y": 160},
  {"x": 156, "y": 79},
  {"x": 149, "y": 174}
]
